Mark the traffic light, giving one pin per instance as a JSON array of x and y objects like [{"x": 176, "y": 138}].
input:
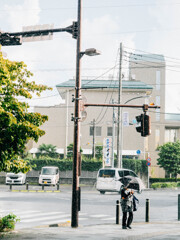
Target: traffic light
[
  {"x": 140, "y": 123},
  {"x": 75, "y": 30},
  {"x": 144, "y": 128},
  {"x": 147, "y": 125}
]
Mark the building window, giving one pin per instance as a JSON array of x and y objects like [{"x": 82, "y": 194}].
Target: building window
[
  {"x": 158, "y": 80},
  {"x": 157, "y": 114},
  {"x": 157, "y": 138},
  {"x": 171, "y": 135},
  {"x": 97, "y": 131},
  {"x": 158, "y": 102},
  {"x": 110, "y": 131}
]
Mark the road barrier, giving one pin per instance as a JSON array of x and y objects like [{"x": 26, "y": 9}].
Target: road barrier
[
  {"x": 33, "y": 190},
  {"x": 27, "y": 185},
  {"x": 117, "y": 211},
  {"x": 147, "y": 211},
  {"x": 178, "y": 207}
]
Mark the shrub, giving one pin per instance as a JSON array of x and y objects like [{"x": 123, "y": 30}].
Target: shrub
[
  {"x": 87, "y": 164},
  {"x": 164, "y": 185},
  {"x": 8, "y": 222}
]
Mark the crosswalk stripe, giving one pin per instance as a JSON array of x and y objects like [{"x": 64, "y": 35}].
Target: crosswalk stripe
[
  {"x": 40, "y": 214},
  {"x": 44, "y": 218},
  {"x": 98, "y": 216}
]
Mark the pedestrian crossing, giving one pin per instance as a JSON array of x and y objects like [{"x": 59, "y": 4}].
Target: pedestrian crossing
[{"x": 37, "y": 218}]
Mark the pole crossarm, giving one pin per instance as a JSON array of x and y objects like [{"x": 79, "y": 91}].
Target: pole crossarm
[
  {"x": 15, "y": 38},
  {"x": 119, "y": 105}
]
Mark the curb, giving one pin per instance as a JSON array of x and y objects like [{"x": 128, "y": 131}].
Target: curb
[{"x": 39, "y": 191}]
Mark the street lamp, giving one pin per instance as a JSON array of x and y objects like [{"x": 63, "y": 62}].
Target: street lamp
[
  {"x": 121, "y": 125},
  {"x": 76, "y": 118}
]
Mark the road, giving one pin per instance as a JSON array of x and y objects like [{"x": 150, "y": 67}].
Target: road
[{"x": 37, "y": 209}]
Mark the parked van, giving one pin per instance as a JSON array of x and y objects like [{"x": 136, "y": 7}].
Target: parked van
[
  {"x": 113, "y": 180},
  {"x": 49, "y": 176},
  {"x": 15, "y": 178}
]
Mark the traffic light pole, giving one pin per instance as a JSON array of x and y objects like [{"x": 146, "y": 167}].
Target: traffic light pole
[
  {"x": 76, "y": 151},
  {"x": 119, "y": 105}
]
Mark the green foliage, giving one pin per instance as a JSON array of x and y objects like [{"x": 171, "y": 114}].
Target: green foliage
[
  {"x": 8, "y": 222},
  {"x": 155, "y": 180},
  {"x": 138, "y": 166},
  {"x": 70, "y": 150},
  {"x": 99, "y": 152},
  {"x": 47, "y": 150},
  {"x": 164, "y": 185},
  {"x": 17, "y": 125},
  {"x": 169, "y": 158}
]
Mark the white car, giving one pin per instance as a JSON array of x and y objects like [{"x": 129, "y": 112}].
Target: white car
[
  {"x": 113, "y": 179},
  {"x": 49, "y": 176},
  {"x": 15, "y": 178}
]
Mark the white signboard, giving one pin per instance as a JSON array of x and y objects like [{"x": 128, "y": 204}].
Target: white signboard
[
  {"x": 125, "y": 119},
  {"x": 107, "y": 151},
  {"x": 41, "y": 37}
]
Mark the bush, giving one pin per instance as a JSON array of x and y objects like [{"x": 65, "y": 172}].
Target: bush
[
  {"x": 164, "y": 185},
  {"x": 154, "y": 180},
  {"x": 8, "y": 222},
  {"x": 87, "y": 164}
]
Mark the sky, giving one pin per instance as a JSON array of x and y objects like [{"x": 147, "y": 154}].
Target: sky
[{"x": 143, "y": 26}]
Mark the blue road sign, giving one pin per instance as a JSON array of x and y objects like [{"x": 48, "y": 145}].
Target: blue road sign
[
  {"x": 148, "y": 164},
  {"x": 138, "y": 151}
]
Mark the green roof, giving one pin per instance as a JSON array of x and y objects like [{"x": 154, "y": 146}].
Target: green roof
[{"x": 91, "y": 84}]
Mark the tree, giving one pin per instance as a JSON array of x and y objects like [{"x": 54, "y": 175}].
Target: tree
[
  {"x": 48, "y": 150},
  {"x": 169, "y": 158},
  {"x": 99, "y": 152},
  {"x": 17, "y": 125},
  {"x": 70, "y": 150}
]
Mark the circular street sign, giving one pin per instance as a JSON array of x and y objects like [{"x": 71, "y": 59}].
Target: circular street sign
[
  {"x": 148, "y": 159},
  {"x": 138, "y": 151},
  {"x": 148, "y": 164}
]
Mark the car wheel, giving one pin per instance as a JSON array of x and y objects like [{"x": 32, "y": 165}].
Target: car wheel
[{"x": 102, "y": 192}]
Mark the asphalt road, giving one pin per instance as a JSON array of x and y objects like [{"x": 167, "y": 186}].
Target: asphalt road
[{"x": 38, "y": 209}]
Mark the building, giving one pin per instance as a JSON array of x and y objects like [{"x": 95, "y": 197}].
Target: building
[{"x": 146, "y": 85}]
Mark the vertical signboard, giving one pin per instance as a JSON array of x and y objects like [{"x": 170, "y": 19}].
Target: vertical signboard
[
  {"x": 107, "y": 151},
  {"x": 125, "y": 119}
]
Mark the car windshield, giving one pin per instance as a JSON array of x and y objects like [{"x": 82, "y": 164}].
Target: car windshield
[
  {"x": 48, "y": 171},
  {"x": 107, "y": 173}
]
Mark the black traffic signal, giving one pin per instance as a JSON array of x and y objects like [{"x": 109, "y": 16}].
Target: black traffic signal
[
  {"x": 147, "y": 125},
  {"x": 75, "y": 30},
  {"x": 140, "y": 121},
  {"x": 144, "y": 125}
]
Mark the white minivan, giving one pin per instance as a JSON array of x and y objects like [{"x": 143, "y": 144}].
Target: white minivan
[
  {"x": 49, "y": 176},
  {"x": 112, "y": 180}
]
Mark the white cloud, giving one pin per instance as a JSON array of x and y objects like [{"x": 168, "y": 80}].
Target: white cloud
[
  {"x": 166, "y": 41},
  {"x": 24, "y": 14}
]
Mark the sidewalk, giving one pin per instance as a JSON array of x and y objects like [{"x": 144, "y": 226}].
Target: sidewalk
[{"x": 153, "y": 231}]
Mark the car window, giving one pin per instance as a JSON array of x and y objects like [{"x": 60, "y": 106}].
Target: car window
[
  {"x": 132, "y": 174},
  {"x": 126, "y": 173},
  {"x": 107, "y": 173},
  {"x": 120, "y": 173}
]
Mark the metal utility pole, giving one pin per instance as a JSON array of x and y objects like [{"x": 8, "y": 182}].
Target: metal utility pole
[
  {"x": 76, "y": 151},
  {"x": 119, "y": 128},
  {"x": 113, "y": 135},
  {"x": 93, "y": 145}
]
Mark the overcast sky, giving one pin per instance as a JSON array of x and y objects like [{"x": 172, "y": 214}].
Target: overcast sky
[{"x": 151, "y": 26}]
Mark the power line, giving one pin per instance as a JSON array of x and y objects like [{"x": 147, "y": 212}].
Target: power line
[
  {"x": 152, "y": 53},
  {"x": 90, "y": 7}
]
